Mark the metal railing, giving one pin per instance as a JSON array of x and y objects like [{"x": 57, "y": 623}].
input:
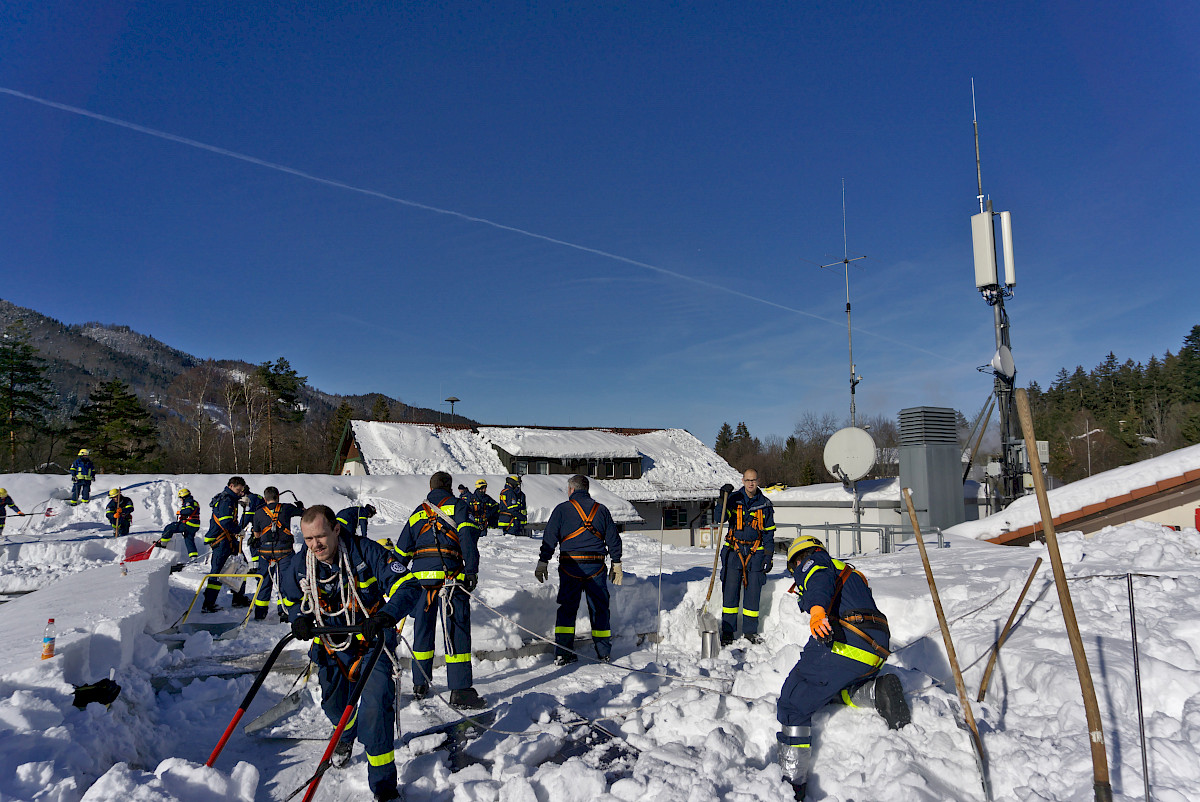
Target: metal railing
[{"x": 881, "y": 538}]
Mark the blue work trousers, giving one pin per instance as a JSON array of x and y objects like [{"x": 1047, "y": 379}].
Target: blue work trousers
[
  {"x": 181, "y": 528},
  {"x": 222, "y": 550},
  {"x": 457, "y": 632},
  {"x": 817, "y": 679},
  {"x": 81, "y": 490},
  {"x": 739, "y": 594},
  {"x": 373, "y": 724},
  {"x": 262, "y": 597},
  {"x": 574, "y": 580}
]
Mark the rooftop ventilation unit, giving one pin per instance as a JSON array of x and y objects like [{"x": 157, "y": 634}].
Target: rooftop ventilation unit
[{"x": 931, "y": 465}]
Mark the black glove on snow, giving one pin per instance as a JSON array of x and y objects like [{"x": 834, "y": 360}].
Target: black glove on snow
[{"x": 470, "y": 581}]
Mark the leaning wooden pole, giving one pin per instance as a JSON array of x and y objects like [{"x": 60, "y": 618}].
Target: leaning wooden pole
[
  {"x": 1101, "y": 785},
  {"x": 968, "y": 713},
  {"x": 987, "y": 672}
]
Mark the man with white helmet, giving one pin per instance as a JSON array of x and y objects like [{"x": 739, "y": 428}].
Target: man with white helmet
[{"x": 840, "y": 663}]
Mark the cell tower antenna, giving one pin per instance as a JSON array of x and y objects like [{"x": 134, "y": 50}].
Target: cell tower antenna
[
  {"x": 978, "y": 167},
  {"x": 845, "y": 263}
]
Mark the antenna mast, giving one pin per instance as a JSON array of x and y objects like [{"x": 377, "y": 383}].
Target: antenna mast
[
  {"x": 994, "y": 292},
  {"x": 845, "y": 262}
]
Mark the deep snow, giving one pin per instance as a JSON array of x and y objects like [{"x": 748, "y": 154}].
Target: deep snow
[{"x": 688, "y": 729}]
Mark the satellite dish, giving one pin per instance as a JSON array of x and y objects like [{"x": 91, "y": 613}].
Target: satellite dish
[
  {"x": 850, "y": 454},
  {"x": 1003, "y": 364}
]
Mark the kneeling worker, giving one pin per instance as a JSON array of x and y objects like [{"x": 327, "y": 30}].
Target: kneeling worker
[
  {"x": 840, "y": 662},
  {"x": 336, "y": 580},
  {"x": 584, "y": 532}
]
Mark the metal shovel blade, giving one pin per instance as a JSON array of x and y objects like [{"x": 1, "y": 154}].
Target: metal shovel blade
[{"x": 281, "y": 709}]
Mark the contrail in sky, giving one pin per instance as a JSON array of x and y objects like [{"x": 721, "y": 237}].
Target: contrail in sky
[{"x": 282, "y": 168}]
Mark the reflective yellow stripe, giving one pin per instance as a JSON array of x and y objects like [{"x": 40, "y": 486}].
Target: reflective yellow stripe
[
  {"x": 353, "y": 719},
  {"x": 601, "y": 633},
  {"x": 458, "y": 658},
  {"x": 855, "y": 653},
  {"x": 343, "y": 521},
  {"x": 367, "y": 584},
  {"x": 418, "y": 516},
  {"x": 402, "y": 552},
  {"x": 429, "y": 574},
  {"x": 423, "y": 655},
  {"x": 751, "y": 613},
  {"x": 381, "y": 760},
  {"x": 289, "y": 603},
  {"x": 262, "y": 602},
  {"x": 808, "y": 576},
  {"x": 564, "y": 630},
  {"x": 730, "y": 610},
  {"x": 846, "y": 698},
  {"x": 399, "y": 582}
]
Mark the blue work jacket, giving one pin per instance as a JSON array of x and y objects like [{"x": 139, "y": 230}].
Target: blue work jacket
[
  {"x": 429, "y": 546},
  {"x": 581, "y": 526}
]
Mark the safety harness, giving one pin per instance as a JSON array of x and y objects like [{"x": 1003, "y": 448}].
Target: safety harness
[
  {"x": 277, "y": 551},
  {"x": 853, "y": 621},
  {"x": 736, "y": 544},
  {"x": 572, "y": 559},
  {"x": 433, "y": 520}
]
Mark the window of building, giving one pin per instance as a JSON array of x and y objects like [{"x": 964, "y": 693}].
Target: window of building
[
  {"x": 520, "y": 467},
  {"x": 543, "y": 468},
  {"x": 610, "y": 469},
  {"x": 675, "y": 518},
  {"x": 593, "y": 468},
  {"x": 628, "y": 470}
]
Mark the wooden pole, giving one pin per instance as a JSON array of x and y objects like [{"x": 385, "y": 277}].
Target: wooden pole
[
  {"x": 968, "y": 714},
  {"x": 1101, "y": 785},
  {"x": 987, "y": 672}
]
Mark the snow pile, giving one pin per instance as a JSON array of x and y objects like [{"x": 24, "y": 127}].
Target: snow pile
[
  {"x": 406, "y": 449},
  {"x": 1077, "y": 495},
  {"x": 868, "y": 490},
  {"x": 676, "y": 466},
  {"x": 685, "y": 728},
  {"x": 560, "y": 443}
]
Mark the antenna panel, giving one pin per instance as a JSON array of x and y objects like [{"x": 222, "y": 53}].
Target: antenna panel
[
  {"x": 850, "y": 454},
  {"x": 983, "y": 237},
  {"x": 1010, "y": 273}
]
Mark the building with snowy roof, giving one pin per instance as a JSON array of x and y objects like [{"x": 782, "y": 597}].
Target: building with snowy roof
[{"x": 669, "y": 476}]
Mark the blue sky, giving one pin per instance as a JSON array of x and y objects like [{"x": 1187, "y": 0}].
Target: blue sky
[{"x": 694, "y": 156}]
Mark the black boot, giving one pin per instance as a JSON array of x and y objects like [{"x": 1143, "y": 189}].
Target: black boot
[
  {"x": 241, "y": 600},
  {"x": 467, "y": 699},
  {"x": 890, "y": 702},
  {"x": 341, "y": 753},
  {"x": 420, "y": 691},
  {"x": 386, "y": 795},
  {"x": 210, "y": 608}
]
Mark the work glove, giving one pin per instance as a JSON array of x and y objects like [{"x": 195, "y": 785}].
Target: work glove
[
  {"x": 768, "y": 565},
  {"x": 542, "y": 572},
  {"x": 255, "y": 543},
  {"x": 726, "y": 489},
  {"x": 378, "y": 624},
  {"x": 470, "y": 582},
  {"x": 818, "y": 624},
  {"x": 615, "y": 574},
  {"x": 302, "y": 627}
]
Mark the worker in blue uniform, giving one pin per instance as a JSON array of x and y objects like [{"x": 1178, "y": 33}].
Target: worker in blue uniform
[
  {"x": 336, "y": 580},
  {"x": 841, "y": 660},
  {"x": 271, "y": 543},
  {"x": 354, "y": 519},
  {"x": 119, "y": 512},
  {"x": 187, "y": 523},
  {"x": 83, "y": 473},
  {"x": 6, "y": 502},
  {"x": 224, "y": 538},
  {"x": 512, "y": 516},
  {"x": 485, "y": 510},
  {"x": 746, "y": 556},
  {"x": 584, "y": 533},
  {"x": 438, "y": 544}
]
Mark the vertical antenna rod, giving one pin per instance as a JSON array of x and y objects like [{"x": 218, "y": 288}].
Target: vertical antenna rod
[
  {"x": 978, "y": 167},
  {"x": 845, "y": 262}
]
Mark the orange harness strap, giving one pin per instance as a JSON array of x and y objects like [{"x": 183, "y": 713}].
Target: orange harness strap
[{"x": 587, "y": 519}]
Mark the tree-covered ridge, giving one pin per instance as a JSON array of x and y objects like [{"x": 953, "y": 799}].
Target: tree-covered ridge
[{"x": 1120, "y": 412}]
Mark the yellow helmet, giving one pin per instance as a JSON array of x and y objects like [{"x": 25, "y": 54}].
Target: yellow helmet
[
  {"x": 481, "y": 483},
  {"x": 3, "y": 492},
  {"x": 802, "y": 543},
  {"x": 116, "y": 491},
  {"x": 83, "y": 452},
  {"x": 514, "y": 479},
  {"x": 184, "y": 492}
]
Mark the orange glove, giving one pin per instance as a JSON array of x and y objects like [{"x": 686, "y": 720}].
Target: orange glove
[{"x": 818, "y": 623}]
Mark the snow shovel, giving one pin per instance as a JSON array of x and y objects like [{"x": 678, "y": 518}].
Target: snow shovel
[
  {"x": 262, "y": 676},
  {"x": 283, "y": 708},
  {"x": 710, "y": 626}
]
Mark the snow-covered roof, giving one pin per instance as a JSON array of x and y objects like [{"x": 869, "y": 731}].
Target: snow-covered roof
[
  {"x": 404, "y": 449},
  {"x": 559, "y": 443},
  {"x": 1094, "y": 490},
  {"x": 676, "y": 466}
]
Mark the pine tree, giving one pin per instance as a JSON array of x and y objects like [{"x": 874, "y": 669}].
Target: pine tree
[
  {"x": 282, "y": 385},
  {"x": 724, "y": 439},
  {"x": 24, "y": 389},
  {"x": 341, "y": 416},
  {"x": 742, "y": 434},
  {"x": 116, "y": 427},
  {"x": 381, "y": 410}
]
